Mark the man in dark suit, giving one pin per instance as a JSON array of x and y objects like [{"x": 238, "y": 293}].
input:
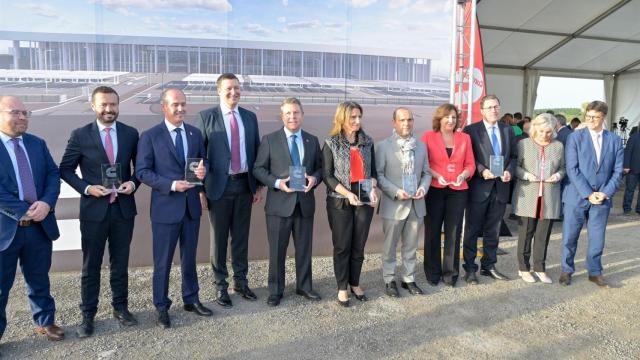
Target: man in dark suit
[
  {"x": 175, "y": 205},
  {"x": 29, "y": 189},
  {"x": 488, "y": 194},
  {"x": 289, "y": 212},
  {"x": 104, "y": 213},
  {"x": 562, "y": 129},
  {"x": 632, "y": 170},
  {"x": 594, "y": 158},
  {"x": 231, "y": 139}
]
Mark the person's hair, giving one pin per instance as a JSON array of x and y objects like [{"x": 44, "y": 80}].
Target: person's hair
[
  {"x": 507, "y": 118},
  {"x": 443, "y": 111},
  {"x": 103, "y": 90},
  {"x": 395, "y": 111},
  {"x": 517, "y": 116},
  {"x": 576, "y": 121},
  {"x": 562, "y": 120},
  {"x": 598, "y": 106},
  {"x": 291, "y": 100},
  {"x": 487, "y": 98},
  {"x": 343, "y": 114},
  {"x": 225, "y": 76},
  {"x": 163, "y": 96},
  {"x": 544, "y": 120},
  {"x": 550, "y": 112}
]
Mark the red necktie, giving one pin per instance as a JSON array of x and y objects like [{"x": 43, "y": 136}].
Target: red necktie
[
  {"x": 235, "y": 144},
  {"x": 108, "y": 147}
]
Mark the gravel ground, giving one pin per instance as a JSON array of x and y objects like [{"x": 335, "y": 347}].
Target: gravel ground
[{"x": 510, "y": 319}]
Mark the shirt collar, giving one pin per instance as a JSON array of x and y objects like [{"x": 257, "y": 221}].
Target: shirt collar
[
  {"x": 594, "y": 133},
  {"x": 289, "y": 133},
  {"x": 225, "y": 109},
  {"x": 6, "y": 138},
  {"x": 102, "y": 127},
  {"x": 172, "y": 127},
  {"x": 489, "y": 126}
]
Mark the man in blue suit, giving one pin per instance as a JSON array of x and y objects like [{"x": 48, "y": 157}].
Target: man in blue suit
[
  {"x": 29, "y": 189},
  {"x": 175, "y": 206},
  {"x": 594, "y": 158}
]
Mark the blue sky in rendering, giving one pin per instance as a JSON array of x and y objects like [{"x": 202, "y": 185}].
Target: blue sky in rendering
[{"x": 420, "y": 25}]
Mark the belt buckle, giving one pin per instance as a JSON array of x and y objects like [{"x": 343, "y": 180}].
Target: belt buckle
[{"x": 25, "y": 223}]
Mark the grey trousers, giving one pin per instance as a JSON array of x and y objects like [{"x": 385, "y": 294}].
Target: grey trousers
[{"x": 408, "y": 230}]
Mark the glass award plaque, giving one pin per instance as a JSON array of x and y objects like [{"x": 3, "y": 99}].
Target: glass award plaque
[
  {"x": 544, "y": 172},
  {"x": 365, "y": 187},
  {"x": 496, "y": 165},
  {"x": 297, "y": 179},
  {"x": 111, "y": 176},
  {"x": 410, "y": 184},
  {"x": 190, "y": 171}
]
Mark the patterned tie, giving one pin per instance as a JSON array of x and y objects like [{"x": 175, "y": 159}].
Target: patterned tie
[
  {"x": 494, "y": 142},
  {"x": 26, "y": 179},
  {"x": 179, "y": 146},
  {"x": 235, "y": 144},
  {"x": 108, "y": 147},
  {"x": 295, "y": 153}
]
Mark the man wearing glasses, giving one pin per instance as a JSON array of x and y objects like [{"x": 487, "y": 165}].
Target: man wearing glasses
[
  {"x": 492, "y": 141},
  {"x": 594, "y": 160},
  {"x": 29, "y": 189}
]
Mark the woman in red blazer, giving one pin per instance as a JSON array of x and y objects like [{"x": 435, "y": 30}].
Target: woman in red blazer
[{"x": 452, "y": 164}]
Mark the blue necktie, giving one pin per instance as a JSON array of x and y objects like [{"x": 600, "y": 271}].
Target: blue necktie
[
  {"x": 494, "y": 142},
  {"x": 295, "y": 154},
  {"x": 179, "y": 145}
]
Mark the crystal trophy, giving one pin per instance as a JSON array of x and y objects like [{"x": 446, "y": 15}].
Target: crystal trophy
[
  {"x": 297, "y": 179},
  {"x": 496, "y": 165},
  {"x": 365, "y": 187},
  {"x": 111, "y": 176},
  {"x": 190, "y": 171},
  {"x": 544, "y": 172},
  {"x": 410, "y": 184}
]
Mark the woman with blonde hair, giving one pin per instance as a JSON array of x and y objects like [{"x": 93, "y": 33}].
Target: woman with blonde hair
[{"x": 348, "y": 157}]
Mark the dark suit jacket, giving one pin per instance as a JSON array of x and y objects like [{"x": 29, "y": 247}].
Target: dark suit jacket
[
  {"x": 47, "y": 181},
  {"x": 157, "y": 166},
  {"x": 211, "y": 124},
  {"x": 273, "y": 163},
  {"x": 563, "y": 134},
  {"x": 585, "y": 174},
  {"x": 479, "y": 188},
  {"x": 632, "y": 154},
  {"x": 85, "y": 149}
]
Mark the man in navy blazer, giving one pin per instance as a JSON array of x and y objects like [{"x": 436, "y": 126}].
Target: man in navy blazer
[
  {"x": 594, "y": 158},
  {"x": 29, "y": 189},
  {"x": 231, "y": 138},
  {"x": 488, "y": 194},
  {"x": 104, "y": 213},
  {"x": 175, "y": 205},
  {"x": 562, "y": 129},
  {"x": 632, "y": 171}
]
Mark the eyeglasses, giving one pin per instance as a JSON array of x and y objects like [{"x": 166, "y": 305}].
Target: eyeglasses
[
  {"x": 497, "y": 107},
  {"x": 589, "y": 117},
  {"x": 26, "y": 113}
]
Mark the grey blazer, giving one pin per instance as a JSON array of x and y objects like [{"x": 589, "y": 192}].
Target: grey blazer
[
  {"x": 525, "y": 196},
  {"x": 388, "y": 166}
]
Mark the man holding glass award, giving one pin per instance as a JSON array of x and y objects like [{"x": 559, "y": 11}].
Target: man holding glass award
[
  {"x": 289, "y": 162},
  {"x": 105, "y": 151},
  {"x": 404, "y": 178},
  {"x": 495, "y": 151}
]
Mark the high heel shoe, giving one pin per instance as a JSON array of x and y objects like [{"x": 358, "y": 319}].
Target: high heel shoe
[{"x": 362, "y": 297}]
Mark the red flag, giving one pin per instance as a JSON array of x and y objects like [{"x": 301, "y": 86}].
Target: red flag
[{"x": 479, "y": 88}]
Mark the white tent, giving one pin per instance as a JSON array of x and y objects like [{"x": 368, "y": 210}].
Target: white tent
[{"x": 598, "y": 39}]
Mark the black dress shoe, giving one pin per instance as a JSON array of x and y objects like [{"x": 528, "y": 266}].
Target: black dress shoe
[
  {"x": 86, "y": 328},
  {"x": 274, "y": 300},
  {"x": 163, "y": 319},
  {"x": 246, "y": 292},
  {"x": 565, "y": 279},
  {"x": 124, "y": 317},
  {"x": 471, "y": 278},
  {"x": 345, "y": 303},
  {"x": 362, "y": 297},
  {"x": 198, "y": 308},
  {"x": 223, "y": 299},
  {"x": 432, "y": 283},
  {"x": 310, "y": 295},
  {"x": 391, "y": 289},
  {"x": 494, "y": 274},
  {"x": 411, "y": 287}
]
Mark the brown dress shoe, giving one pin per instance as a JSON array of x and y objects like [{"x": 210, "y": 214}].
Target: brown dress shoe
[
  {"x": 53, "y": 332},
  {"x": 599, "y": 280}
]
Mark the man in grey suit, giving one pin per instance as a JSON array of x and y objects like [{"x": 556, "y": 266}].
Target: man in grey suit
[
  {"x": 289, "y": 212},
  {"x": 402, "y": 212}
]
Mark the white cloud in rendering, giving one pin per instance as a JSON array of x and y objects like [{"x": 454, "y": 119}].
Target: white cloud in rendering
[
  {"x": 258, "y": 29},
  {"x": 361, "y": 3},
  {"x": 213, "y": 5},
  {"x": 43, "y": 10}
]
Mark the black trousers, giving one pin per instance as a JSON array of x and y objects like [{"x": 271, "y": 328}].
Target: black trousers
[
  {"x": 231, "y": 215},
  {"x": 279, "y": 230},
  {"x": 94, "y": 235},
  {"x": 444, "y": 206},
  {"x": 538, "y": 230},
  {"x": 483, "y": 218},
  {"x": 349, "y": 232}
]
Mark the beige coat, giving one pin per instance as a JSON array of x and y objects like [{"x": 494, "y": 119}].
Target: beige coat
[{"x": 525, "y": 196}]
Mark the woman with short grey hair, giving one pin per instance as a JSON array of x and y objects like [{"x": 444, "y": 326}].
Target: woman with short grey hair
[{"x": 537, "y": 197}]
